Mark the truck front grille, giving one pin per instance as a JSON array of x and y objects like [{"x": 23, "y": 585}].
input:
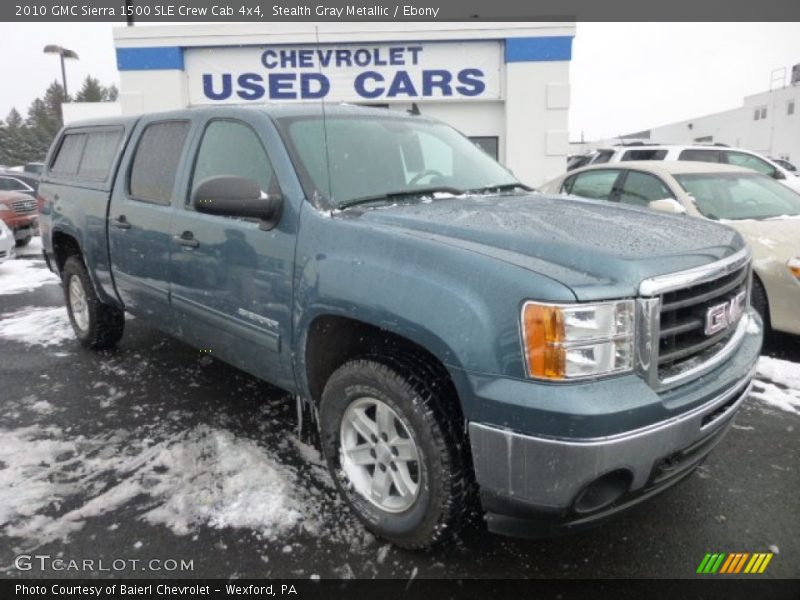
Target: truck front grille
[
  {"x": 683, "y": 340},
  {"x": 24, "y": 207}
]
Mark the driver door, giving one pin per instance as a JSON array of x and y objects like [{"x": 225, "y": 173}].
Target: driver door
[{"x": 231, "y": 279}]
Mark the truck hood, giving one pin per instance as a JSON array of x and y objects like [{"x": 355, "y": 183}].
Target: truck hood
[{"x": 597, "y": 249}]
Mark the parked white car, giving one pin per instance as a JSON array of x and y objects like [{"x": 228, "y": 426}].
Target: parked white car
[
  {"x": 700, "y": 153},
  {"x": 7, "y": 243},
  {"x": 765, "y": 213}
]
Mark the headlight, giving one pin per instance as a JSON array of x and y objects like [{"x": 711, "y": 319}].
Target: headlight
[
  {"x": 573, "y": 341},
  {"x": 5, "y": 207},
  {"x": 794, "y": 266}
]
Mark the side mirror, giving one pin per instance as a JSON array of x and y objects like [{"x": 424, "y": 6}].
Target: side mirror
[
  {"x": 667, "y": 205},
  {"x": 229, "y": 196},
  {"x": 777, "y": 174}
]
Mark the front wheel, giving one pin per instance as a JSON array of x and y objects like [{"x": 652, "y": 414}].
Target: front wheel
[
  {"x": 394, "y": 453},
  {"x": 23, "y": 241},
  {"x": 96, "y": 325}
]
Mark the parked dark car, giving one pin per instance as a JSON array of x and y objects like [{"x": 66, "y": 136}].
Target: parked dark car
[{"x": 454, "y": 333}]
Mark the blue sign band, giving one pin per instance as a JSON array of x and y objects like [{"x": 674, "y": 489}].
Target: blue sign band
[
  {"x": 150, "y": 59},
  {"x": 534, "y": 49}
]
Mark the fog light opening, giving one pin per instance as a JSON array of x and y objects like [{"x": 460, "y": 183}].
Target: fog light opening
[{"x": 603, "y": 492}]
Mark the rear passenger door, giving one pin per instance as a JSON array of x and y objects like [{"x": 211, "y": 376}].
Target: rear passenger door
[
  {"x": 140, "y": 215},
  {"x": 231, "y": 279}
]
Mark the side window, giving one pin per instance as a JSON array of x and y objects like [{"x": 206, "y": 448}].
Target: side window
[
  {"x": 644, "y": 155},
  {"x": 641, "y": 188},
  {"x": 740, "y": 159},
  {"x": 69, "y": 154},
  {"x": 101, "y": 148},
  {"x": 603, "y": 157},
  {"x": 701, "y": 155},
  {"x": 233, "y": 148},
  {"x": 152, "y": 175},
  {"x": 566, "y": 187},
  {"x": 489, "y": 144},
  {"x": 436, "y": 155},
  {"x": 594, "y": 184}
]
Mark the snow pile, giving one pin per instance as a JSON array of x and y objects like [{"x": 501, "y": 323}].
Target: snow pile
[
  {"x": 50, "y": 483},
  {"x": 778, "y": 384},
  {"x": 23, "y": 275},
  {"x": 782, "y": 372},
  {"x": 37, "y": 326},
  {"x": 33, "y": 248},
  {"x": 211, "y": 477}
]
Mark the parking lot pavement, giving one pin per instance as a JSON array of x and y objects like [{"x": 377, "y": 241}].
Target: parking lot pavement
[{"x": 155, "y": 451}]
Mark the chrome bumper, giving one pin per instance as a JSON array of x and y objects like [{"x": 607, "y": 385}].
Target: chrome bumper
[{"x": 549, "y": 474}]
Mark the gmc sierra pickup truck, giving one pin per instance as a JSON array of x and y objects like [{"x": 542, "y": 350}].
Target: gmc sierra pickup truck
[{"x": 458, "y": 336}]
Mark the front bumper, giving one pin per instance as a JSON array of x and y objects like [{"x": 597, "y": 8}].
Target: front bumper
[{"x": 534, "y": 484}]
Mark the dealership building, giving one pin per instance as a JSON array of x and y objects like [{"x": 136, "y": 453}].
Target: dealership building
[{"x": 505, "y": 85}]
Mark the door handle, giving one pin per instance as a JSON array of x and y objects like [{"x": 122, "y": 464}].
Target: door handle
[
  {"x": 121, "y": 222},
  {"x": 186, "y": 239}
]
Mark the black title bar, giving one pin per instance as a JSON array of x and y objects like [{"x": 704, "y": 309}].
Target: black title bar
[{"x": 256, "y": 11}]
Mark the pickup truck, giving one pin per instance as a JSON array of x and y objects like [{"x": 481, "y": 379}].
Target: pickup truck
[{"x": 463, "y": 342}]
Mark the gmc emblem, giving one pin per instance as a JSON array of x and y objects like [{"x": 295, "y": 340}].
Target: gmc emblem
[{"x": 720, "y": 316}]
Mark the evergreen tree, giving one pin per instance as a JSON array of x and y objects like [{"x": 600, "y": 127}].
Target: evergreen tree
[
  {"x": 27, "y": 140},
  {"x": 18, "y": 144},
  {"x": 91, "y": 91}
]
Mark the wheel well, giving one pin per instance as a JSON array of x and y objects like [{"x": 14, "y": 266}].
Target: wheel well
[
  {"x": 64, "y": 246},
  {"x": 332, "y": 341},
  {"x": 757, "y": 282}
]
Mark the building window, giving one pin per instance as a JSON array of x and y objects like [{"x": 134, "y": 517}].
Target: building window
[
  {"x": 705, "y": 139},
  {"x": 790, "y": 107},
  {"x": 763, "y": 112},
  {"x": 488, "y": 144}
]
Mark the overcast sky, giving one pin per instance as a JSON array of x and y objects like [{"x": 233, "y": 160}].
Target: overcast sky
[{"x": 625, "y": 76}]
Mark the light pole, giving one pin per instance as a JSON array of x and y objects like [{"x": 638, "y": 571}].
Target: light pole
[{"x": 63, "y": 53}]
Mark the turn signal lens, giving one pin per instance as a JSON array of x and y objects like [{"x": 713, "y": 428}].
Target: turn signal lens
[
  {"x": 572, "y": 341},
  {"x": 543, "y": 327},
  {"x": 794, "y": 266}
]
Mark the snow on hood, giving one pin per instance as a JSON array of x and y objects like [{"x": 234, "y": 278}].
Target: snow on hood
[{"x": 582, "y": 243}]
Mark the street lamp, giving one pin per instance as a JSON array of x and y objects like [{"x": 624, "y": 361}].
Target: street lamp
[{"x": 63, "y": 53}]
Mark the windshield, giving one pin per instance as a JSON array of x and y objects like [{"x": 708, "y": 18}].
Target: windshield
[
  {"x": 372, "y": 157},
  {"x": 739, "y": 195}
]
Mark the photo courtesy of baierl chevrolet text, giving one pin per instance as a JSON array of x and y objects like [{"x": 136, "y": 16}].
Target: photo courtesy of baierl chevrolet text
[{"x": 425, "y": 299}]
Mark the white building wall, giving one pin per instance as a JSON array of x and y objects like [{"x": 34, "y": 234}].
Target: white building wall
[
  {"x": 79, "y": 111},
  {"x": 529, "y": 118},
  {"x": 776, "y": 135},
  {"x": 537, "y": 103},
  {"x": 152, "y": 91}
]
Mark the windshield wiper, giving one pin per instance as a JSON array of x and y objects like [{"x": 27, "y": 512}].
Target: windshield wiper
[
  {"x": 503, "y": 187},
  {"x": 400, "y": 194}
]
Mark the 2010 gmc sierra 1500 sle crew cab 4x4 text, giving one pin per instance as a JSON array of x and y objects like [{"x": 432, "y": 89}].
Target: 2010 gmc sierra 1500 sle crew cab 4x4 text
[{"x": 458, "y": 335}]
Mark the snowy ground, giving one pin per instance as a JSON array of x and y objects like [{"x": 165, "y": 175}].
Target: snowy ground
[{"x": 154, "y": 450}]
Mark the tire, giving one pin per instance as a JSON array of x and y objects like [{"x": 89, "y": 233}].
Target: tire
[
  {"x": 759, "y": 301},
  {"x": 24, "y": 241},
  {"x": 442, "y": 472},
  {"x": 96, "y": 325}
]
